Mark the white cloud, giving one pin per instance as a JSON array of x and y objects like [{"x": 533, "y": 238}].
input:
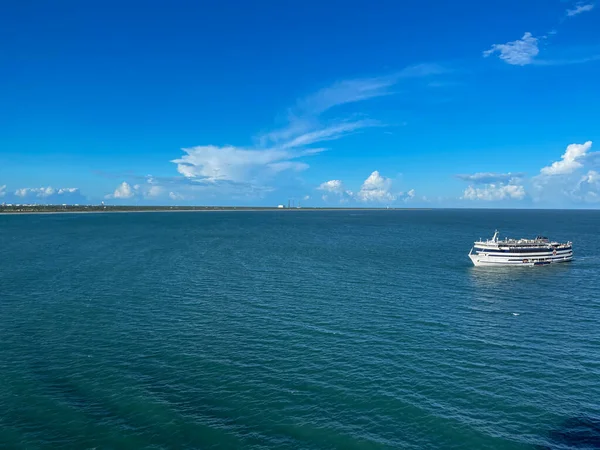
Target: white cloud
[
  {"x": 38, "y": 192},
  {"x": 490, "y": 177},
  {"x": 279, "y": 152},
  {"x": 573, "y": 178},
  {"x": 492, "y": 186},
  {"x": 123, "y": 191},
  {"x": 580, "y": 9},
  {"x": 175, "y": 196},
  {"x": 520, "y": 52},
  {"x": 587, "y": 188},
  {"x": 44, "y": 192},
  {"x": 376, "y": 188},
  {"x": 592, "y": 177},
  {"x": 408, "y": 196},
  {"x": 68, "y": 191},
  {"x": 211, "y": 163},
  {"x": 337, "y": 188},
  {"x": 154, "y": 191},
  {"x": 333, "y": 186},
  {"x": 495, "y": 192},
  {"x": 570, "y": 161},
  {"x": 2, "y": 190}
]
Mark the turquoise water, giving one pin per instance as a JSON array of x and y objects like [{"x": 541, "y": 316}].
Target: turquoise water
[{"x": 294, "y": 329}]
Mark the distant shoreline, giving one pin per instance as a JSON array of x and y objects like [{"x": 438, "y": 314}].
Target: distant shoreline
[{"x": 120, "y": 209}]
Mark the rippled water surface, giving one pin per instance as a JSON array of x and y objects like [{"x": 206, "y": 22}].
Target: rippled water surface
[{"x": 296, "y": 329}]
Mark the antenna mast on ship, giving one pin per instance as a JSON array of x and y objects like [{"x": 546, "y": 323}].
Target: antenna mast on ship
[{"x": 495, "y": 238}]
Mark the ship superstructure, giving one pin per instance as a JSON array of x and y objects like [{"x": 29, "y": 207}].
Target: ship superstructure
[{"x": 531, "y": 252}]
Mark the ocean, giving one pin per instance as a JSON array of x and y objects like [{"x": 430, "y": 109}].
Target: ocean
[{"x": 296, "y": 329}]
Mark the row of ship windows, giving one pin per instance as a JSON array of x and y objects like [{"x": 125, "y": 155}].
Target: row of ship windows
[
  {"x": 538, "y": 259},
  {"x": 521, "y": 250}
]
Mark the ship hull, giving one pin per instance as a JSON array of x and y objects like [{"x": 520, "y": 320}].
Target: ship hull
[{"x": 514, "y": 260}]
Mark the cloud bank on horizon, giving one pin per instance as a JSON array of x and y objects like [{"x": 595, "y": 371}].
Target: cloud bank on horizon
[{"x": 572, "y": 178}]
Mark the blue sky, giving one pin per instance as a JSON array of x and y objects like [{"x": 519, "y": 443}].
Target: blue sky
[{"x": 434, "y": 103}]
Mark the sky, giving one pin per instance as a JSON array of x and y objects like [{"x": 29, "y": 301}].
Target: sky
[{"x": 363, "y": 103}]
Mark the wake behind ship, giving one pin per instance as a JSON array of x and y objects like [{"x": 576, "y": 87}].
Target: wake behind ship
[{"x": 529, "y": 252}]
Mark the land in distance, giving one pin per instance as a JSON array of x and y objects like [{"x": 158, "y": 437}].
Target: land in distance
[{"x": 16, "y": 209}]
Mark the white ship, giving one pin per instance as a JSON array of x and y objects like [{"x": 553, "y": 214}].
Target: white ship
[{"x": 528, "y": 252}]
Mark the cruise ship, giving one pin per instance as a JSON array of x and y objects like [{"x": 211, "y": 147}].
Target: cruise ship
[{"x": 528, "y": 252}]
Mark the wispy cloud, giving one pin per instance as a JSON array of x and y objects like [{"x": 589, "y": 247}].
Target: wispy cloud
[
  {"x": 330, "y": 133},
  {"x": 345, "y": 92},
  {"x": 2, "y": 190},
  {"x": 580, "y": 8},
  {"x": 490, "y": 177},
  {"x": 351, "y": 91},
  {"x": 307, "y": 129},
  {"x": 277, "y": 155},
  {"x": 520, "y": 52},
  {"x": 565, "y": 62},
  {"x": 280, "y": 152}
]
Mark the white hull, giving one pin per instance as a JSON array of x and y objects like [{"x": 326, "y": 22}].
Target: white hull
[{"x": 526, "y": 261}]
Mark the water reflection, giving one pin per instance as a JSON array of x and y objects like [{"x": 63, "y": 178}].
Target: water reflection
[{"x": 500, "y": 276}]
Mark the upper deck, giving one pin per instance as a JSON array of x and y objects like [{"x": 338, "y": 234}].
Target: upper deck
[{"x": 540, "y": 242}]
